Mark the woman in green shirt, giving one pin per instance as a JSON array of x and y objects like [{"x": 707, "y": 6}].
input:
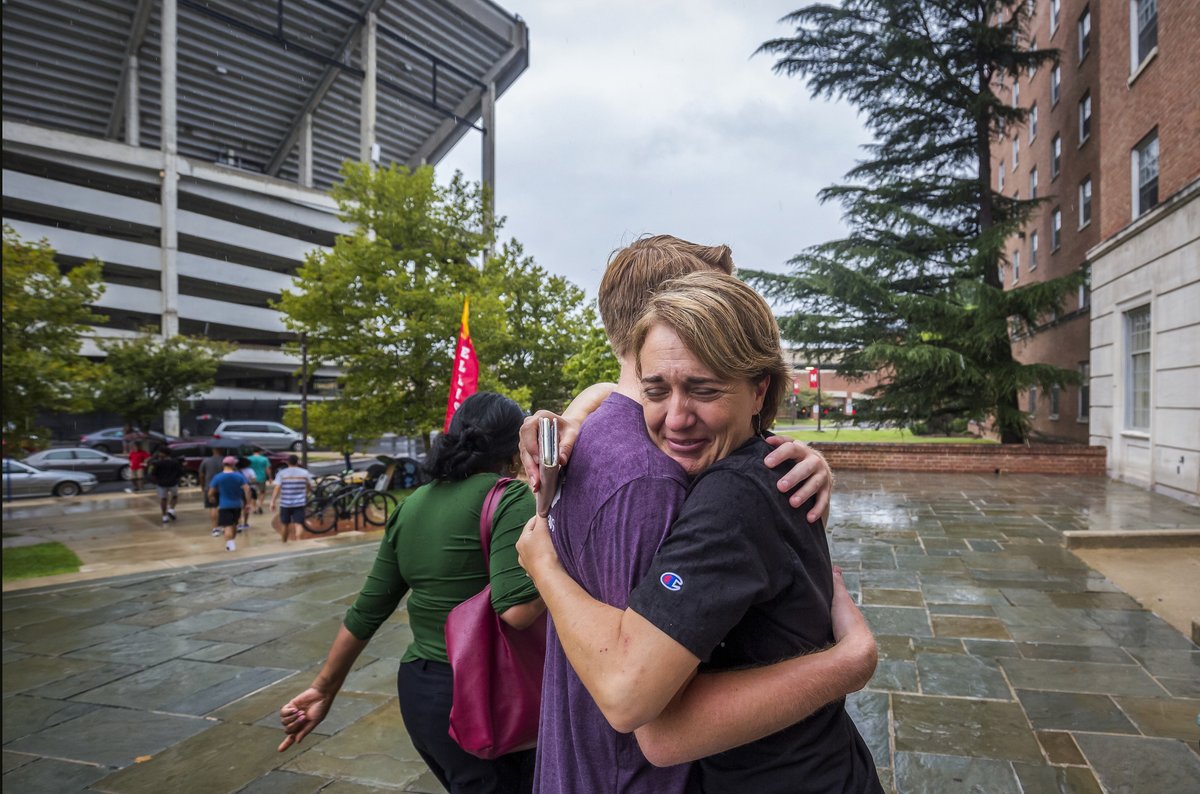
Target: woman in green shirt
[{"x": 431, "y": 551}]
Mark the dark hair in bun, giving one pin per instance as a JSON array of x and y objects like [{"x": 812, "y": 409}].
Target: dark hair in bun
[{"x": 483, "y": 436}]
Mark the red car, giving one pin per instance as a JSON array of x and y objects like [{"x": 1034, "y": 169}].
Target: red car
[{"x": 196, "y": 449}]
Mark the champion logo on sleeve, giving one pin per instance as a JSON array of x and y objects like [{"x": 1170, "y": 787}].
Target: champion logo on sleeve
[{"x": 671, "y": 581}]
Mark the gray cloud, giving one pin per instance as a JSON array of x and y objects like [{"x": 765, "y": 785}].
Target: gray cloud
[{"x": 638, "y": 118}]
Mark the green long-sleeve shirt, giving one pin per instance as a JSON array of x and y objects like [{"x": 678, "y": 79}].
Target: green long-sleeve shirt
[{"x": 431, "y": 547}]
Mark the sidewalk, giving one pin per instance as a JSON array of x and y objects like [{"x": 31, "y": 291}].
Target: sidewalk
[{"x": 1007, "y": 664}]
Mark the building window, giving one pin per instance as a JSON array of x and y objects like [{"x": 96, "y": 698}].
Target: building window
[
  {"x": 1143, "y": 30},
  {"x": 1055, "y": 229},
  {"x": 1033, "y": 246},
  {"x": 1055, "y": 156},
  {"x": 1055, "y": 393},
  {"x": 1055, "y": 7},
  {"x": 1145, "y": 174},
  {"x": 1033, "y": 182},
  {"x": 1033, "y": 66},
  {"x": 1084, "y": 409},
  {"x": 1085, "y": 202},
  {"x": 1001, "y": 175},
  {"x": 1032, "y": 401},
  {"x": 1016, "y": 259},
  {"x": 1055, "y": 84},
  {"x": 1085, "y": 33},
  {"x": 1085, "y": 117},
  {"x": 1137, "y": 382},
  {"x": 1016, "y": 92},
  {"x": 1033, "y": 122},
  {"x": 1084, "y": 298},
  {"x": 1016, "y": 146}
]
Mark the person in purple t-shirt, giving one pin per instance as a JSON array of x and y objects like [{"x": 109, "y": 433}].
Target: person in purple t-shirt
[{"x": 613, "y": 508}]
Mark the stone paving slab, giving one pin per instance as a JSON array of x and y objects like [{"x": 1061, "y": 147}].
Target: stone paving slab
[{"x": 1006, "y": 663}]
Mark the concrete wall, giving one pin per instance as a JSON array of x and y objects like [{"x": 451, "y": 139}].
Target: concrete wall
[{"x": 1155, "y": 262}]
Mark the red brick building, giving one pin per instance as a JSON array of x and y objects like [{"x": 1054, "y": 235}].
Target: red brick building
[{"x": 1127, "y": 75}]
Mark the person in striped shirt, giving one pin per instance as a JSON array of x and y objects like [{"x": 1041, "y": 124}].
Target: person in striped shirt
[{"x": 292, "y": 487}]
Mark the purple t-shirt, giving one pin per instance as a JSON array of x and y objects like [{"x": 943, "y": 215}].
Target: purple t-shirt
[{"x": 616, "y": 500}]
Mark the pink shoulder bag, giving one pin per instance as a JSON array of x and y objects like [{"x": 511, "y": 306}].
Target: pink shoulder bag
[{"x": 497, "y": 669}]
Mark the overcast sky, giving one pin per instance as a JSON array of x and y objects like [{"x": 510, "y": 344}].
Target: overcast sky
[{"x": 637, "y": 118}]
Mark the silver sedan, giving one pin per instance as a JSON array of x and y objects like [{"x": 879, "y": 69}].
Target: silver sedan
[
  {"x": 23, "y": 480},
  {"x": 82, "y": 459}
]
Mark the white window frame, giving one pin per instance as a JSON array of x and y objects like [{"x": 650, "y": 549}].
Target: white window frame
[
  {"x": 1031, "y": 409},
  {"x": 1033, "y": 250},
  {"x": 1016, "y": 92},
  {"x": 1085, "y": 202},
  {"x": 1138, "y": 334},
  {"x": 1055, "y": 8},
  {"x": 1055, "y": 157},
  {"x": 1033, "y": 67},
  {"x": 1136, "y": 57},
  {"x": 1056, "y": 229},
  {"x": 1033, "y": 121},
  {"x": 1055, "y": 85},
  {"x": 1083, "y": 29},
  {"x": 1001, "y": 176},
  {"x": 1033, "y": 182},
  {"x": 1085, "y": 118},
  {"x": 1016, "y": 265},
  {"x": 1150, "y": 141},
  {"x": 1016, "y": 151},
  {"x": 1055, "y": 400}
]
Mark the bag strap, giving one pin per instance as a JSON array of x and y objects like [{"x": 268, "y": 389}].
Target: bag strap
[{"x": 490, "y": 503}]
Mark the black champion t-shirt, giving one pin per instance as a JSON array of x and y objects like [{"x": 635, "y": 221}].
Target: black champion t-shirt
[{"x": 743, "y": 580}]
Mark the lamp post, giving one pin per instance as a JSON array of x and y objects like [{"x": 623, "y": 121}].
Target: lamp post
[{"x": 304, "y": 398}]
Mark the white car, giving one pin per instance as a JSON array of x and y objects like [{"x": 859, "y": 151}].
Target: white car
[
  {"x": 268, "y": 435},
  {"x": 22, "y": 480}
]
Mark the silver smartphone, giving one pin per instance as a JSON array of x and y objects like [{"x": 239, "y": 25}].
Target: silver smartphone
[{"x": 548, "y": 442}]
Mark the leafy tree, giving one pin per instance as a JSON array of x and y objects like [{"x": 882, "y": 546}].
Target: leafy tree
[
  {"x": 915, "y": 291},
  {"x": 148, "y": 375},
  {"x": 546, "y": 316},
  {"x": 594, "y": 362},
  {"x": 46, "y": 314},
  {"x": 384, "y": 304}
]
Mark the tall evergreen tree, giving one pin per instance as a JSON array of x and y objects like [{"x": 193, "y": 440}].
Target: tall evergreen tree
[{"x": 915, "y": 291}]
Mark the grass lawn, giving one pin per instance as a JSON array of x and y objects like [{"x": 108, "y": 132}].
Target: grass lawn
[
  {"x": 887, "y": 435},
  {"x": 44, "y": 559}
]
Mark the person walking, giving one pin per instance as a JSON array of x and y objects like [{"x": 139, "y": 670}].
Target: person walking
[
  {"x": 245, "y": 469},
  {"x": 262, "y": 470},
  {"x": 433, "y": 548},
  {"x": 231, "y": 492},
  {"x": 293, "y": 484},
  {"x": 210, "y": 467},
  {"x": 165, "y": 472},
  {"x": 137, "y": 466}
]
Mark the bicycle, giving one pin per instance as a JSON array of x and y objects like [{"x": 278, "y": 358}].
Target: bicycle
[{"x": 336, "y": 500}]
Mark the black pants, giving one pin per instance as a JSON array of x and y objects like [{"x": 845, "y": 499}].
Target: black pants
[{"x": 426, "y": 691}]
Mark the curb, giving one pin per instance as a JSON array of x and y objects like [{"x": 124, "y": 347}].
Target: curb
[{"x": 1132, "y": 539}]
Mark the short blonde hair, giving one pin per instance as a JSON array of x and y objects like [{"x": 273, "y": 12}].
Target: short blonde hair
[
  {"x": 725, "y": 324},
  {"x": 639, "y": 270}
]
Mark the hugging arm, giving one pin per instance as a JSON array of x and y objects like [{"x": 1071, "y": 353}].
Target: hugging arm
[{"x": 742, "y": 706}]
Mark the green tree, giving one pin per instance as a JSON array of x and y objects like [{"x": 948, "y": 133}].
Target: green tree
[
  {"x": 46, "y": 314},
  {"x": 915, "y": 291},
  {"x": 385, "y": 303},
  {"x": 545, "y": 317},
  {"x": 148, "y": 375},
  {"x": 594, "y": 362}
]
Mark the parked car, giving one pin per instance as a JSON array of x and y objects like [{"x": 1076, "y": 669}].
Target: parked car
[
  {"x": 112, "y": 439},
  {"x": 93, "y": 461},
  {"x": 23, "y": 480},
  {"x": 268, "y": 435},
  {"x": 195, "y": 450}
]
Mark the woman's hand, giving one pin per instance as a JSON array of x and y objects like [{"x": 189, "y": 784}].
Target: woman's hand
[
  {"x": 811, "y": 472},
  {"x": 535, "y": 547},
  {"x": 303, "y": 713},
  {"x": 531, "y": 451}
]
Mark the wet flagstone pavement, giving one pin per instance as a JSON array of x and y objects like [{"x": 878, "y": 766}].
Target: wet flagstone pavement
[{"x": 1007, "y": 665}]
